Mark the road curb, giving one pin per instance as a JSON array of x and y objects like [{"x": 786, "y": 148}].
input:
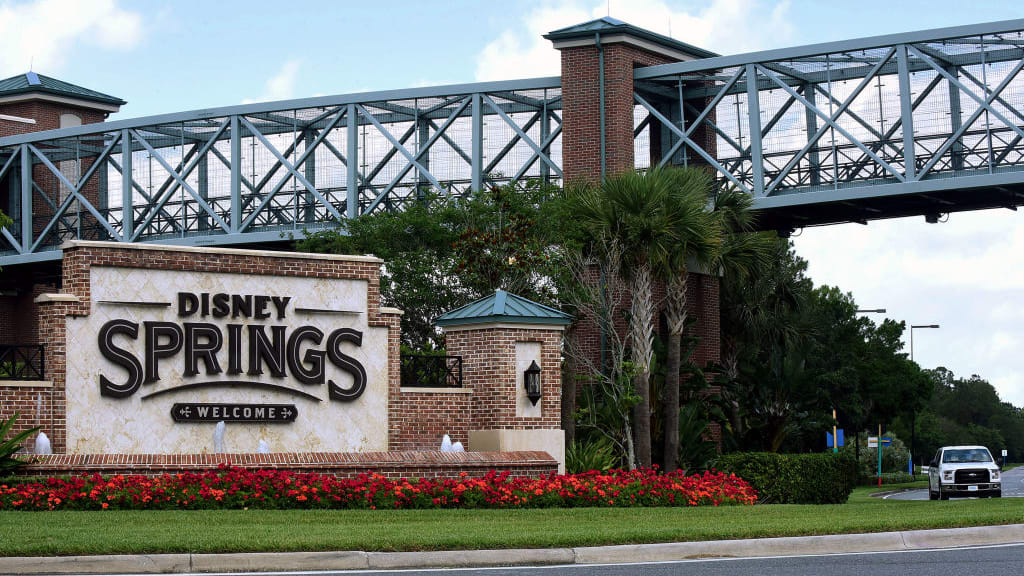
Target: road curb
[{"x": 355, "y": 560}]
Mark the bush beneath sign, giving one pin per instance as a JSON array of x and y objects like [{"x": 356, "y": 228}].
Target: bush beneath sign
[{"x": 234, "y": 488}]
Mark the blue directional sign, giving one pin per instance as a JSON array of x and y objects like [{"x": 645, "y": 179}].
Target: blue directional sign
[{"x": 839, "y": 433}]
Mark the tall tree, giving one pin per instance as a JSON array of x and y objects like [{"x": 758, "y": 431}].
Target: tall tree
[
  {"x": 720, "y": 240},
  {"x": 631, "y": 210},
  {"x": 697, "y": 237}
]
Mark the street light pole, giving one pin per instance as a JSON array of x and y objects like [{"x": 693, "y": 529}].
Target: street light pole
[
  {"x": 913, "y": 413},
  {"x": 912, "y": 336}
]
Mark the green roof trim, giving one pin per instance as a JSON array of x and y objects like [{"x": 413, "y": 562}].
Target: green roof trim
[
  {"x": 506, "y": 308},
  {"x": 608, "y": 25},
  {"x": 31, "y": 82}
]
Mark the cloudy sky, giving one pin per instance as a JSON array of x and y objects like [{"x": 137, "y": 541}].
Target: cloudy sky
[{"x": 162, "y": 56}]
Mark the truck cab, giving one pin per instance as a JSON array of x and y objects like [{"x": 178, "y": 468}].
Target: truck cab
[{"x": 961, "y": 471}]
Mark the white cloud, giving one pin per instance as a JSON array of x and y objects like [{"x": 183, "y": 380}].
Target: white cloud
[
  {"x": 46, "y": 32},
  {"x": 725, "y": 26},
  {"x": 280, "y": 86}
]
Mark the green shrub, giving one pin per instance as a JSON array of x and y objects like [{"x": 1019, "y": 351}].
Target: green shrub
[
  {"x": 597, "y": 453},
  {"x": 794, "y": 478}
]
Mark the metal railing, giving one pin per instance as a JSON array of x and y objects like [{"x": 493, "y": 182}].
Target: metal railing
[
  {"x": 430, "y": 371},
  {"x": 920, "y": 115},
  {"x": 22, "y": 362}
]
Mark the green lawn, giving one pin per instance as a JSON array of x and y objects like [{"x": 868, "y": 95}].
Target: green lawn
[{"x": 63, "y": 533}]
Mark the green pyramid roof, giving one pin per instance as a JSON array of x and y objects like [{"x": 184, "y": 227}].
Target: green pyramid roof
[
  {"x": 30, "y": 82},
  {"x": 609, "y": 25},
  {"x": 503, "y": 306}
]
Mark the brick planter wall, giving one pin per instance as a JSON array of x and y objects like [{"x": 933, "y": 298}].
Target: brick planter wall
[{"x": 392, "y": 465}]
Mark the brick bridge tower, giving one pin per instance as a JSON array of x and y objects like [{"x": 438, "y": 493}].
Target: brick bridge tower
[
  {"x": 33, "y": 102},
  {"x": 598, "y": 123}
]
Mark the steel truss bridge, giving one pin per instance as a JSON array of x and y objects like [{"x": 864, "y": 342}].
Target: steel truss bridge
[{"x": 922, "y": 123}]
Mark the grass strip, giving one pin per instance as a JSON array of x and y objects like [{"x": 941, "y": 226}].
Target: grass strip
[{"x": 124, "y": 532}]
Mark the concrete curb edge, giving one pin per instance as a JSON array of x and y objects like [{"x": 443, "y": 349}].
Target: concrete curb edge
[{"x": 355, "y": 560}]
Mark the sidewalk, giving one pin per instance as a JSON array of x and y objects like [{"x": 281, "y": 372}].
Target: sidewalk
[{"x": 255, "y": 562}]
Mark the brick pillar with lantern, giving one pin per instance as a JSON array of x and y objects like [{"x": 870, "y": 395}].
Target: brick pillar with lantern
[{"x": 506, "y": 343}]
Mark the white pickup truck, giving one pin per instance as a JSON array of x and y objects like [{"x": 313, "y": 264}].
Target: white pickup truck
[{"x": 963, "y": 471}]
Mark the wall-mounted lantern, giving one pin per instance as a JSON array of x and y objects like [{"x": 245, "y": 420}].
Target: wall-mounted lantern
[{"x": 531, "y": 381}]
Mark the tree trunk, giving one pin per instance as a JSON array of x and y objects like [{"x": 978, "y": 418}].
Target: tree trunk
[
  {"x": 671, "y": 403},
  {"x": 676, "y": 312},
  {"x": 641, "y": 331},
  {"x": 630, "y": 446},
  {"x": 642, "y": 420}
]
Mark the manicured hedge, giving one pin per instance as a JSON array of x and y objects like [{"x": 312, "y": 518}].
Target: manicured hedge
[{"x": 794, "y": 478}]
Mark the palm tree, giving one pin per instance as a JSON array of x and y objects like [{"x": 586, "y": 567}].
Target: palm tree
[
  {"x": 697, "y": 240},
  {"x": 633, "y": 209}
]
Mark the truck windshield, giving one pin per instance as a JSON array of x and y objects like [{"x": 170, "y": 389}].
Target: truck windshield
[{"x": 966, "y": 455}]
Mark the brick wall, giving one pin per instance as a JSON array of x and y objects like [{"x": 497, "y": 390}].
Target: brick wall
[
  {"x": 19, "y": 315},
  {"x": 581, "y": 113},
  {"x": 46, "y": 114},
  {"x": 488, "y": 368},
  {"x": 393, "y": 465},
  {"x": 32, "y": 403},
  {"x": 419, "y": 420},
  {"x": 581, "y": 157}
]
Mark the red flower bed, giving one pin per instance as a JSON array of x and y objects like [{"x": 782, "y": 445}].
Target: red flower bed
[{"x": 234, "y": 488}]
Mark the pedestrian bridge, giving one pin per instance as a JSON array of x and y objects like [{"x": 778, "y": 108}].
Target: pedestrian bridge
[{"x": 923, "y": 123}]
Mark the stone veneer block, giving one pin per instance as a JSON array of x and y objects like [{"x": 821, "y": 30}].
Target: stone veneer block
[{"x": 550, "y": 441}]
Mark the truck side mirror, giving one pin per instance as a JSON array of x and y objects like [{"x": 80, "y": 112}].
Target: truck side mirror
[{"x": 933, "y": 463}]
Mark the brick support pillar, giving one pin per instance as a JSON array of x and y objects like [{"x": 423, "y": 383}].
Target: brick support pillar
[
  {"x": 598, "y": 61},
  {"x": 494, "y": 358},
  {"x": 581, "y": 115},
  {"x": 53, "y": 312}
]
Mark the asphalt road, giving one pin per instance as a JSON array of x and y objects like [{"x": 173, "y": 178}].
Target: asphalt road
[
  {"x": 978, "y": 561},
  {"x": 1013, "y": 487}
]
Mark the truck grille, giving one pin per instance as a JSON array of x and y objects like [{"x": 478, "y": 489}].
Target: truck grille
[{"x": 970, "y": 476}]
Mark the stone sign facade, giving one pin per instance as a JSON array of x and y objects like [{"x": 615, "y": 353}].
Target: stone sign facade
[{"x": 163, "y": 355}]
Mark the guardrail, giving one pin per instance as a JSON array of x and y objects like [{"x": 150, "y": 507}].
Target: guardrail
[{"x": 22, "y": 362}]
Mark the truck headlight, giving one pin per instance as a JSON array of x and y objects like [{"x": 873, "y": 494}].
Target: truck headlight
[
  {"x": 995, "y": 474},
  {"x": 947, "y": 475}
]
